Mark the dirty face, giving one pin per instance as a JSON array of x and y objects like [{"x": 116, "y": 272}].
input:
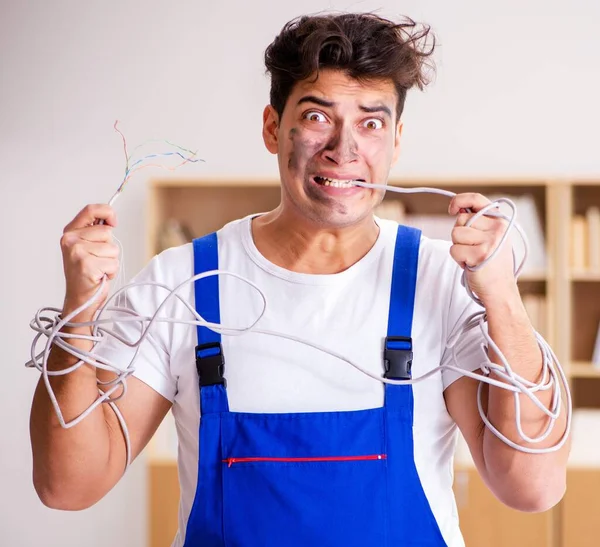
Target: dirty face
[{"x": 334, "y": 130}]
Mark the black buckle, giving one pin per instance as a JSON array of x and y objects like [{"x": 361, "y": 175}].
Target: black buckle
[
  {"x": 397, "y": 362},
  {"x": 211, "y": 368}
]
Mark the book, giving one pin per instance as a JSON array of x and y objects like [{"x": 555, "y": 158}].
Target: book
[
  {"x": 593, "y": 238},
  {"x": 596, "y": 354},
  {"x": 439, "y": 226},
  {"x": 535, "y": 305},
  {"x": 579, "y": 231},
  {"x": 530, "y": 222}
]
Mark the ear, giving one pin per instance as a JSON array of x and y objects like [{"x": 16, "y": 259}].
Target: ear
[
  {"x": 270, "y": 129},
  {"x": 397, "y": 139}
]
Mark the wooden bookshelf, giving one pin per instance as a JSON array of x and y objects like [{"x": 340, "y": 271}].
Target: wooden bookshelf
[
  {"x": 583, "y": 370},
  {"x": 582, "y": 289},
  {"x": 585, "y": 276},
  {"x": 533, "y": 277},
  {"x": 570, "y": 324}
]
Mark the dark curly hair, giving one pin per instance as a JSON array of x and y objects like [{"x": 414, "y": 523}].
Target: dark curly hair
[{"x": 364, "y": 45}]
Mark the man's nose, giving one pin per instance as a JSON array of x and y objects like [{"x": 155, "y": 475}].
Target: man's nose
[{"x": 342, "y": 148}]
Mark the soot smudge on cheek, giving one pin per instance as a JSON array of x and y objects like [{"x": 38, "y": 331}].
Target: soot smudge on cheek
[{"x": 303, "y": 149}]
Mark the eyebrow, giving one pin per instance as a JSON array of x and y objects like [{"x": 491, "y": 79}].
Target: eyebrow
[
  {"x": 378, "y": 108},
  {"x": 330, "y": 104},
  {"x": 316, "y": 100}
]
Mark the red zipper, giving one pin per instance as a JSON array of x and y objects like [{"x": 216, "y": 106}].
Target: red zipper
[{"x": 231, "y": 461}]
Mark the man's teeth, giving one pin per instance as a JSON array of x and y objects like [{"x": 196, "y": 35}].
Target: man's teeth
[{"x": 337, "y": 183}]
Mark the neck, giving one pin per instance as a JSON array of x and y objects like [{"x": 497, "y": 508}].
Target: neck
[{"x": 304, "y": 247}]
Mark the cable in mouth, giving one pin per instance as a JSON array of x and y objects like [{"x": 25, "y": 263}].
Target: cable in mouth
[{"x": 336, "y": 183}]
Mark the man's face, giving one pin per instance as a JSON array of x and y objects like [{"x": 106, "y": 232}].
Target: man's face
[{"x": 332, "y": 130}]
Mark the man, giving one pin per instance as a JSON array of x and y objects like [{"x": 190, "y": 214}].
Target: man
[{"x": 295, "y": 447}]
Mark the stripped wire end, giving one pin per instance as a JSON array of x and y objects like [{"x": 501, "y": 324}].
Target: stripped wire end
[{"x": 132, "y": 167}]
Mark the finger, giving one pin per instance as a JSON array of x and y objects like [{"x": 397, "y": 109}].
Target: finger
[
  {"x": 468, "y": 255},
  {"x": 91, "y": 213},
  {"x": 110, "y": 266},
  {"x": 468, "y": 236},
  {"x": 80, "y": 239},
  {"x": 102, "y": 250},
  {"x": 102, "y": 267},
  {"x": 482, "y": 223},
  {"x": 467, "y": 200},
  {"x": 95, "y": 233},
  {"x": 85, "y": 253}
]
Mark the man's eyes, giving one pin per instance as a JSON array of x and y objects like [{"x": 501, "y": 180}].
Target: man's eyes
[
  {"x": 315, "y": 116},
  {"x": 370, "y": 123},
  {"x": 373, "y": 123}
]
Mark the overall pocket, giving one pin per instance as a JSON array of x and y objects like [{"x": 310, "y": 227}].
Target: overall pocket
[
  {"x": 231, "y": 461},
  {"x": 305, "y": 492}
]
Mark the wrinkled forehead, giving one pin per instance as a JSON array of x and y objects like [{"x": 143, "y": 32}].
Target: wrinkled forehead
[{"x": 344, "y": 91}]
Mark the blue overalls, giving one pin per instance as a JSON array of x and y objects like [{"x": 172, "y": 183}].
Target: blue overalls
[{"x": 322, "y": 479}]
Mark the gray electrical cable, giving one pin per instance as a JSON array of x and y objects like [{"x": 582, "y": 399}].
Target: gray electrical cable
[{"x": 553, "y": 377}]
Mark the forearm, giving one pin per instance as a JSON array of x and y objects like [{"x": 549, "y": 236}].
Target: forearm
[
  {"x": 72, "y": 468},
  {"x": 538, "y": 475}
]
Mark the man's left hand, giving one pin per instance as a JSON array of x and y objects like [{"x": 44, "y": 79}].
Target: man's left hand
[{"x": 472, "y": 245}]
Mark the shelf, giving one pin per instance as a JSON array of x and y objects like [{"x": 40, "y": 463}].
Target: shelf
[
  {"x": 472, "y": 183},
  {"x": 585, "y": 276},
  {"x": 537, "y": 277},
  {"x": 580, "y": 369},
  {"x": 587, "y": 182},
  {"x": 161, "y": 461}
]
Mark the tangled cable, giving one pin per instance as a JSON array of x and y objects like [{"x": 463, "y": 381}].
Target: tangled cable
[
  {"x": 48, "y": 322},
  {"x": 553, "y": 376}
]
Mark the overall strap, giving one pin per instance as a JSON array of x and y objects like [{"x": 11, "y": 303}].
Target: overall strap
[
  {"x": 398, "y": 343},
  {"x": 210, "y": 363}
]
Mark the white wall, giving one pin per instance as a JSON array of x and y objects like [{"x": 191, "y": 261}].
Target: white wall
[{"x": 516, "y": 94}]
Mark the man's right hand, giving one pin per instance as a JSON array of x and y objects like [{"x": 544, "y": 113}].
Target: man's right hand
[{"x": 89, "y": 254}]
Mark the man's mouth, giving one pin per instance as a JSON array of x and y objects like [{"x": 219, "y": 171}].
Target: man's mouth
[{"x": 336, "y": 183}]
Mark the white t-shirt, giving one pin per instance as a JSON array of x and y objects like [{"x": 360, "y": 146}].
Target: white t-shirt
[{"x": 346, "y": 312}]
